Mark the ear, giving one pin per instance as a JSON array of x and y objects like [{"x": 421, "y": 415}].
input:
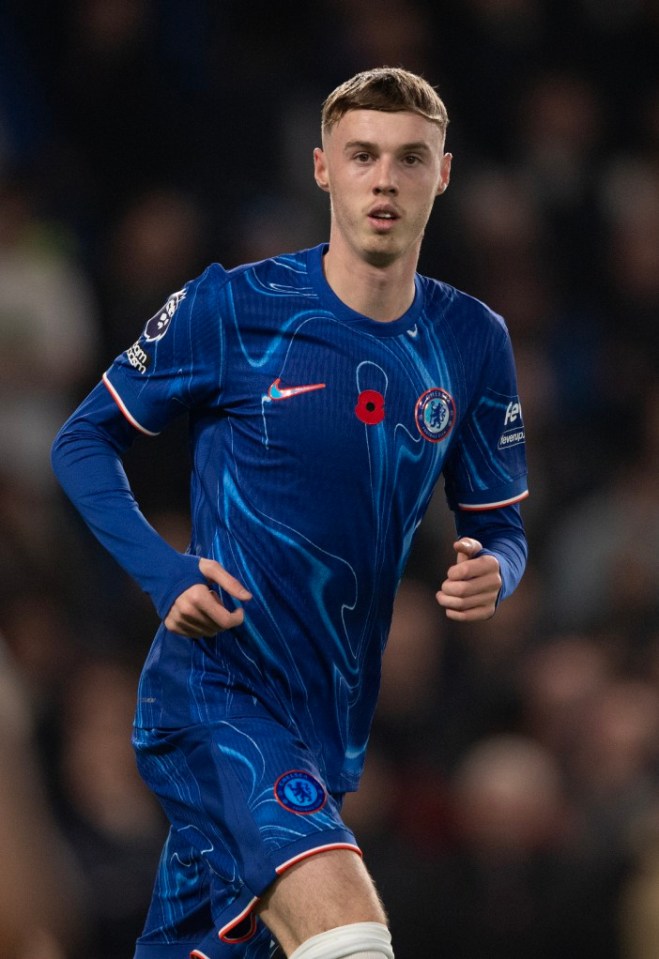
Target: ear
[
  {"x": 320, "y": 169},
  {"x": 444, "y": 172}
]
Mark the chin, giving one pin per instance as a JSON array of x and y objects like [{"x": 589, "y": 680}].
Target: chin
[{"x": 381, "y": 256}]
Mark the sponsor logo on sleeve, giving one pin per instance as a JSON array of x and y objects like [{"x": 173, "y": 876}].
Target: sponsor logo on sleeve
[
  {"x": 514, "y": 434},
  {"x": 138, "y": 358}
]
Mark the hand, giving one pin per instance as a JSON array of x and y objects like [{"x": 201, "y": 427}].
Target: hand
[
  {"x": 469, "y": 592},
  {"x": 199, "y": 612}
]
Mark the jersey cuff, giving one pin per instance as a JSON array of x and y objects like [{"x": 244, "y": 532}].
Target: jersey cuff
[{"x": 493, "y": 499}]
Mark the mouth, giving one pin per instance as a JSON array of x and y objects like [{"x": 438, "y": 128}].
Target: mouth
[{"x": 383, "y": 218}]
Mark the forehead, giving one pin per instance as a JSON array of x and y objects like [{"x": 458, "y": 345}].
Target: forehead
[{"x": 385, "y": 129}]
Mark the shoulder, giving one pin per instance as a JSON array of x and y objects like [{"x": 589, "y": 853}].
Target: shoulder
[
  {"x": 274, "y": 273},
  {"x": 466, "y": 313},
  {"x": 216, "y": 290}
]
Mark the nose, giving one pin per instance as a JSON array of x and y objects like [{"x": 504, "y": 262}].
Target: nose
[{"x": 385, "y": 180}]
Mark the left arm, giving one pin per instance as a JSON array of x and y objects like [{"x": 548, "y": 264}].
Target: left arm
[{"x": 491, "y": 558}]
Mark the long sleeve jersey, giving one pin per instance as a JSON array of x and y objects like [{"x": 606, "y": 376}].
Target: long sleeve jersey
[{"x": 318, "y": 436}]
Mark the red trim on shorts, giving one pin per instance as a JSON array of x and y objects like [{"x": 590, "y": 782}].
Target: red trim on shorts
[
  {"x": 224, "y": 933},
  {"x": 312, "y": 852},
  {"x": 196, "y": 954}
]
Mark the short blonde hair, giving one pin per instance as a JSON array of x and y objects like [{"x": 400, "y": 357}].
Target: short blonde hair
[{"x": 389, "y": 89}]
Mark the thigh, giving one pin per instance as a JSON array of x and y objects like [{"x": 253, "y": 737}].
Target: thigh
[
  {"x": 246, "y": 796},
  {"x": 326, "y": 890}
]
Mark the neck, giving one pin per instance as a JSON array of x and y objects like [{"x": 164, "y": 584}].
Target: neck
[{"x": 382, "y": 293}]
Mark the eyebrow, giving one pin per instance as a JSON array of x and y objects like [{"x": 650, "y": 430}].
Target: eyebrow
[{"x": 419, "y": 146}]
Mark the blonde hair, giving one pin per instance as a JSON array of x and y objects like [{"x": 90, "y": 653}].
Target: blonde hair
[{"x": 389, "y": 89}]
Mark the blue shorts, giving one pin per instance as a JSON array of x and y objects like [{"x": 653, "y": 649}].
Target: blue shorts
[{"x": 245, "y": 801}]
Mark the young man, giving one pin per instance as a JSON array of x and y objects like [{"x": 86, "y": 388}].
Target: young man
[{"x": 327, "y": 391}]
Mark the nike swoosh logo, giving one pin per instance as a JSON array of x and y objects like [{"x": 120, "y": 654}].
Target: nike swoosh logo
[{"x": 277, "y": 392}]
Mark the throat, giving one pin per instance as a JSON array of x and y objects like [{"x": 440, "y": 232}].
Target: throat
[{"x": 381, "y": 292}]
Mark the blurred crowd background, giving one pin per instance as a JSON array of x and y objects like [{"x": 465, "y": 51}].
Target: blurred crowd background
[{"x": 510, "y": 806}]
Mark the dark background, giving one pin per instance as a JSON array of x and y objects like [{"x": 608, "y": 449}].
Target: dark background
[{"x": 511, "y": 800}]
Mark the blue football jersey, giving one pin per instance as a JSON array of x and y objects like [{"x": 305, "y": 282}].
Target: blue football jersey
[{"x": 317, "y": 438}]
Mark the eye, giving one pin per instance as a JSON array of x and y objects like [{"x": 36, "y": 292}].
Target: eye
[
  {"x": 362, "y": 157},
  {"x": 412, "y": 159}
]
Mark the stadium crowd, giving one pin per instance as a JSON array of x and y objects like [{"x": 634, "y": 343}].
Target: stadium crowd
[{"x": 510, "y": 806}]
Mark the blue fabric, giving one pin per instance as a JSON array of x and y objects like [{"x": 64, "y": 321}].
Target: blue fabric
[
  {"x": 86, "y": 458},
  {"x": 244, "y": 798},
  {"x": 318, "y": 436},
  {"x": 502, "y": 530}
]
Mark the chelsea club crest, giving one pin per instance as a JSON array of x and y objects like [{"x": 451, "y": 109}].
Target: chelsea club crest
[
  {"x": 435, "y": 414},
  {"x": 300, "y": 792}
]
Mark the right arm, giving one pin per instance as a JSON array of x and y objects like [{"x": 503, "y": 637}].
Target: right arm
[{"x": 87, "y": 460}]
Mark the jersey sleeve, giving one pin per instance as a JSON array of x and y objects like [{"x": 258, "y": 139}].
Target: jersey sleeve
[
  {"x": 176, "y": 362},
  {"x": 501, "y": 533},
  {"x": 87, "y": 460},
  {"x": 487, "y": 467},
  {"x": 174, "y": 366}
]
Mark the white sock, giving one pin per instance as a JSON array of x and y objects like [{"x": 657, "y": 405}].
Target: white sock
[{"x": 359, "y": 940}]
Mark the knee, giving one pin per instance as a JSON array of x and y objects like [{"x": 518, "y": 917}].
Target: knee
[{"x": 359, "y": 940}]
